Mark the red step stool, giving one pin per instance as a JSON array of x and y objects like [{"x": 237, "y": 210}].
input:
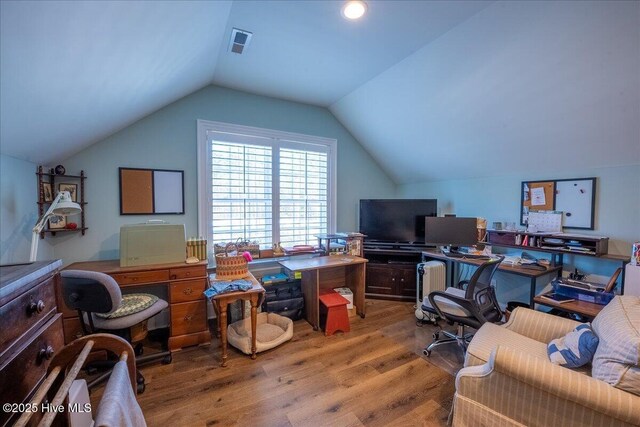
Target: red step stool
[{"x": 335, "y": 306}]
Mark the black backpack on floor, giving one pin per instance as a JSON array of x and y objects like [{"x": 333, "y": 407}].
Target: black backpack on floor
[{"x": 284, "y": 299}]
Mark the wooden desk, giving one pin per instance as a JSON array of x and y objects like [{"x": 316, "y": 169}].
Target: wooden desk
[
  {"x": 185, "y": 284},
  {"x": 328, "y": 272},
  {"x": 510, "y": 269},
  {"x": 221, "y": 302},
  {"x": 583, "y": 308}
]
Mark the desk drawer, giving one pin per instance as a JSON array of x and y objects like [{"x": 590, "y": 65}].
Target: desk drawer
[
  {"x": 188, "y": 317},
  {"x": 187, "y": 272},
  {"x": 26, "y": 370},
  {"x": 21, "y": 314},
  {"x": 137, "y": 277},
  {"x": 188, "y": 290}
]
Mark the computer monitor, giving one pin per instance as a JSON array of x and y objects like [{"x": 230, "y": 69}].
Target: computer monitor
[{"x": 450, "y": 231}]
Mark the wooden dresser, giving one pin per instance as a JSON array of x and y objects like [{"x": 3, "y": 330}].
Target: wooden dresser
[
  {"x": 185, "y": 285},
  {"x": 30, "y": 329}
]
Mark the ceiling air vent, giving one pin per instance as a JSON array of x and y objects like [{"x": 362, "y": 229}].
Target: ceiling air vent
[{"x": 239, "y": 40}]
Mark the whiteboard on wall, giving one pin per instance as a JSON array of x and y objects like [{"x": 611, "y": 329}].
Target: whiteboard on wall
[
  {"x": 167, "y": 192},
  {"x": 576, "y": 199}
]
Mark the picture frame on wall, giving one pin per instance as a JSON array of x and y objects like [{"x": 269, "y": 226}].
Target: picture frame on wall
[
  {"x": 71, "y": 188},
  {"x": 57, "y": 222},
  {"x": 47, "y": 192}
]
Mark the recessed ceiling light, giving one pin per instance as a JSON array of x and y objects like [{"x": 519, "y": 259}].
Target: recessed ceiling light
[{"x": 354, "y": 9}]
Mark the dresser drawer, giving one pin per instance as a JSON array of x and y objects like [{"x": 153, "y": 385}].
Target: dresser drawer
[
  {"x": 188, "y": 317},
  {"x": 22, "y": 374},
  {"x": 72, "y": 329},
  {"x": 26, "y": 311},
  {"x": 187, "y": 290},
  {"x": 187, "y": 272},
  {"x": 137, "y": 277}
]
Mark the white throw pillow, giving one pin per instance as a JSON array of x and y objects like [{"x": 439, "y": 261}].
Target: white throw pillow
[{"x": 617, "y": 359}]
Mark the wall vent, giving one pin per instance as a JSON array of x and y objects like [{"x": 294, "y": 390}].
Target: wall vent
[{"x": 239, "y": 40}]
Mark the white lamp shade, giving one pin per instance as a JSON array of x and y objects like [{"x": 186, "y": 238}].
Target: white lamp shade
[
  {"x": 61, "y": 205},
  {"x": 66, "y": 206}
]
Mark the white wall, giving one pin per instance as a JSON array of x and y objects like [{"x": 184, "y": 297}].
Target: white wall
[{"x": 19, "y": 211}]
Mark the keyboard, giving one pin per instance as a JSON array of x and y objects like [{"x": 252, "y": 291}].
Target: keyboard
[{"x": 467, "y": 256}]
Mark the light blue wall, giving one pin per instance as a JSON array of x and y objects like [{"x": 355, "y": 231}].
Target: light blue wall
[
  {"x": 498, "y": 199},
  {"x": 167, "y": 139},
  {"x": 18, "y": 211}
]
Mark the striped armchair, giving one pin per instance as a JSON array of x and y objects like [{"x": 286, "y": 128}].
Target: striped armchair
[{"x": 508, "y": 379}]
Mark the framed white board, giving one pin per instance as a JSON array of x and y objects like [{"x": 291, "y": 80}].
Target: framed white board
[
  {"x": 151, "y": 191},
  {"x": 575, "y": 198}
]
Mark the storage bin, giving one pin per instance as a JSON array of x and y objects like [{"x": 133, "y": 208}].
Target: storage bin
[
  {"x": 347, "y": 294},
  {"x": 501, "y": 238},
  {"x": 593, "y": 296}
]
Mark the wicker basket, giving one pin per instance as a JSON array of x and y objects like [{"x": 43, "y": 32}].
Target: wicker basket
[{"x": 231, "y": 267}]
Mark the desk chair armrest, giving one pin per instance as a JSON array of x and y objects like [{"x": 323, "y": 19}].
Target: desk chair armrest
[
  {"x": 466, "y": 304},
  {"x": 462, "y": 284},
  {"x": 511, "y": 380},
  {"x": 539, "y": 326}
]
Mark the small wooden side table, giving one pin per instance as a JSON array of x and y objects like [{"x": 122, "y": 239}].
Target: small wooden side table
[{"x": 221, "y": 302}]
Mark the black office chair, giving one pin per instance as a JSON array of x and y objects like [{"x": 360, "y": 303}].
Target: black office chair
[
  {"x": 102, "y": 308},
  {"x": 472, "y": 303}
]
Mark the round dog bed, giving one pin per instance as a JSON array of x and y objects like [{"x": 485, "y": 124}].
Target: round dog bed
[{"x": 271, "y": 331}]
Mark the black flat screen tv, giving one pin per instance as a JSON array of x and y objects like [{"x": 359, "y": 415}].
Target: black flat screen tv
[{"x": 395, "y": 220}]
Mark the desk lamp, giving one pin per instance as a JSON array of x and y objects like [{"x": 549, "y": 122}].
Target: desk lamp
[{"x": 62, "y": 205}]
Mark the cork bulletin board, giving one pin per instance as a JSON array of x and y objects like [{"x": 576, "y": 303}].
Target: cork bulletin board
[
  {"x": 575, "y": 198},
  {"x": 151, "y": 191}
]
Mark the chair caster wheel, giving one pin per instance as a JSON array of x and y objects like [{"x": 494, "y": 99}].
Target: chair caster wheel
[
  {"x": 436, "y": 335},
  {"x": 167, "y": 360},
  {"x": 138, "y": 349},
  {"x": 426, "y": 352},
  {"x": 141, "y": 388}
]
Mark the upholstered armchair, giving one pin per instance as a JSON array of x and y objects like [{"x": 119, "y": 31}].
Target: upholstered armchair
[{"x": 508, "y": 379}]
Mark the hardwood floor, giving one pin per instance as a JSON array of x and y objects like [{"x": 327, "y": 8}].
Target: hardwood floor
[{"x": 375, "y": 376}]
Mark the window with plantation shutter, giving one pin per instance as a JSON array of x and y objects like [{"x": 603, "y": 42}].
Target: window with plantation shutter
[
  {"x": 303, "y": 196},
  {"x": 241, "y": 202},
  {"x": 264, "y": 185}
]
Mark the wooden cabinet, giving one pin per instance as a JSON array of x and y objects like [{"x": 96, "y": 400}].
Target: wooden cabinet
[
  {"x": 406, "y": 280},
  {"x": 391, "y": 281},
  {"x": 49, "y": 185},
  {"x": 391, "y": 271},
  {"x": 380, "y": 280},
  {"x": 30, "y": 330},
  {"x": 185, "y": 285}
]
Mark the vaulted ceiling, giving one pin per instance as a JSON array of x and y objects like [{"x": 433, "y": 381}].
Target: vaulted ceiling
[{"x": 432, "y": 89}]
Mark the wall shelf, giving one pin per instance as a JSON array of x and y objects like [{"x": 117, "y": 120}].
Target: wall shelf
[
  {"x": 550, "y": 242},
  {"x": 595, "y": 247},
  {"x": 53, "y": 179}
]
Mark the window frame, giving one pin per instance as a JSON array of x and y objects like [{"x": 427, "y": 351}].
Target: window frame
[{"x": 274, "y": 138}]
